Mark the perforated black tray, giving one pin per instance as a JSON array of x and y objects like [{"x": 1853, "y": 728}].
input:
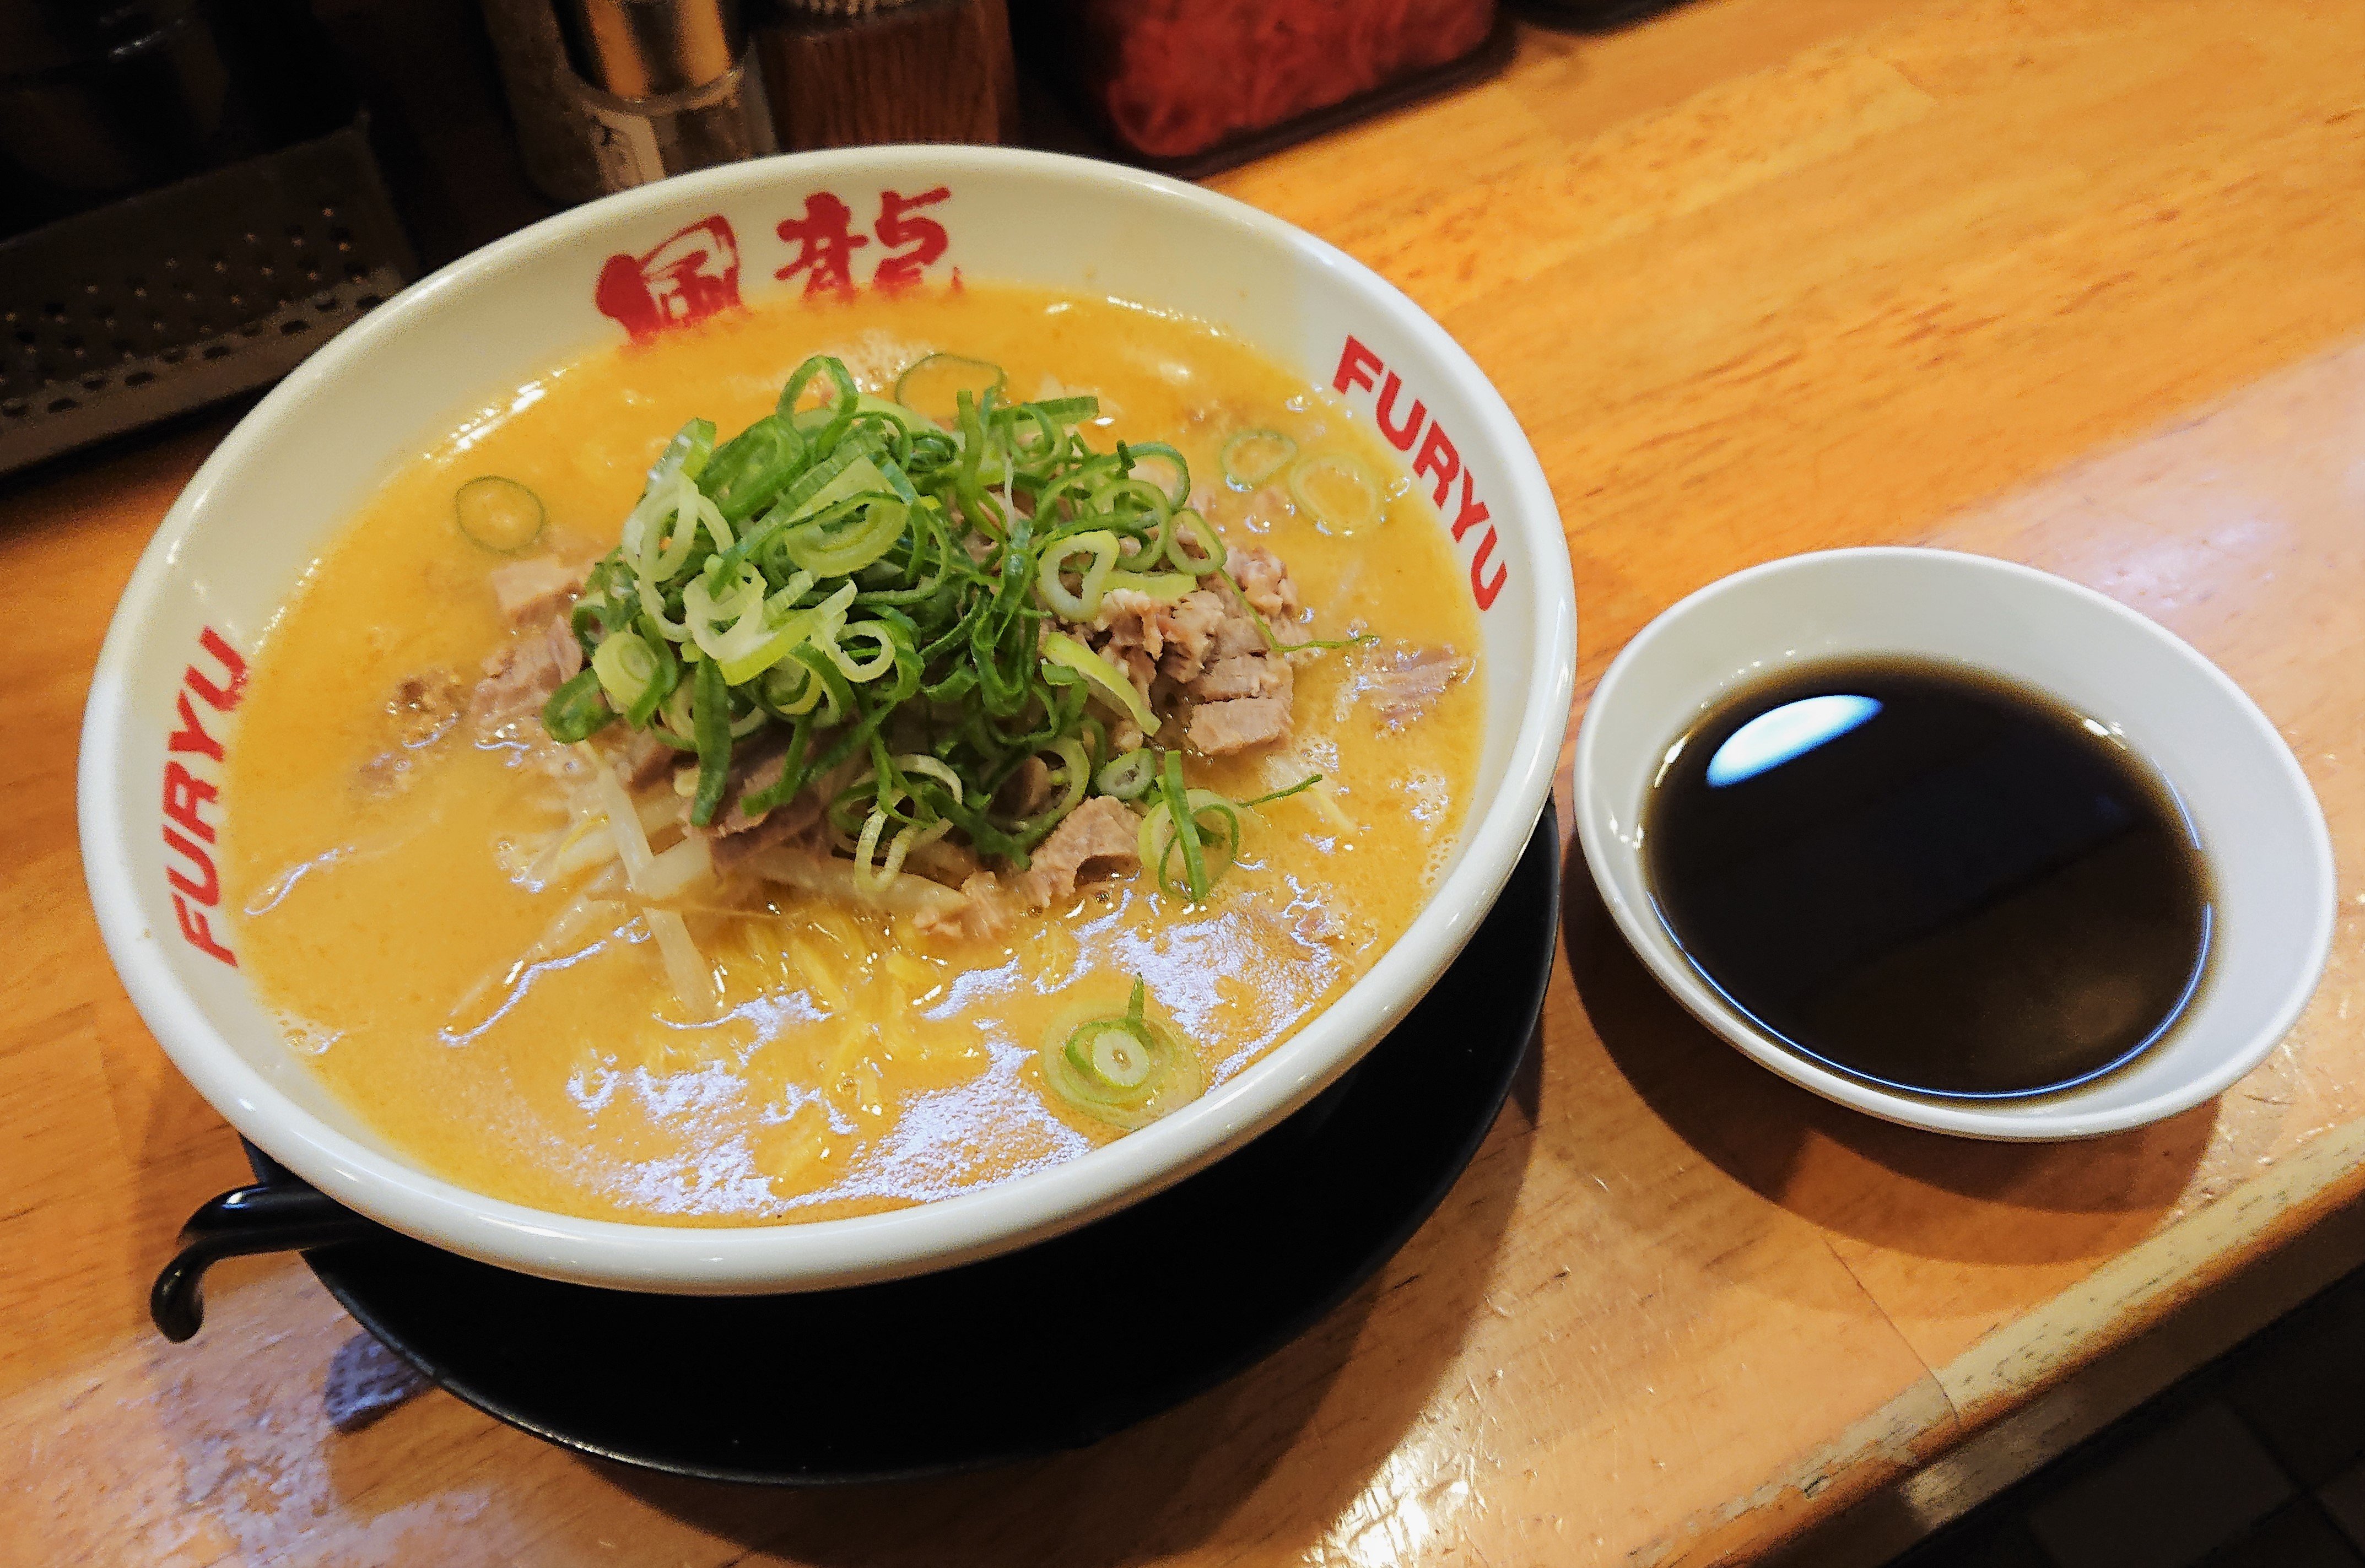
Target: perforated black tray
[{"x": 194, "y": 292}]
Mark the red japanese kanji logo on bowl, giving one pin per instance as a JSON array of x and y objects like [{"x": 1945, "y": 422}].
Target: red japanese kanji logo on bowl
[
  {"x": 825, "y": 241},
  {"x": 695, "y": 274},
  {"x": 688, "y": 278}
]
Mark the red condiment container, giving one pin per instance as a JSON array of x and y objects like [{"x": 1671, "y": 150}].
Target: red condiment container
[{"x": 1193, "y": 80}]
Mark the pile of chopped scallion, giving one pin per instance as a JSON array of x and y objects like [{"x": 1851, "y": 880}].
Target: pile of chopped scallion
[{"x": 849, "y": 570}]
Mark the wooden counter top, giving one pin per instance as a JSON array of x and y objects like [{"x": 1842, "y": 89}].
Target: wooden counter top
[{"x": 2080, "y": 283}]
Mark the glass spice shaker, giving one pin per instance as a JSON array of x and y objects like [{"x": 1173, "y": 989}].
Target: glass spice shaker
[{"x": 667, "y": 86}]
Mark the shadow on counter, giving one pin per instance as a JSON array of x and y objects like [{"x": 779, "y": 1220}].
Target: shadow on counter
[
  {"x": 1235, "y": 1462},
  {"x": 1974, "y": 1201}
]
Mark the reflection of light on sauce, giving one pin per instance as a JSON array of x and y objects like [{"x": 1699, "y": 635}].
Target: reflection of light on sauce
[
  {"x": 491, "y": 420},
  {"x": 974, "y": 986},
  {"x": 1427, "y": 796},
  {"x": 308, "y": 1038},
  {"x": 686, "y": 1094},
  {"x": 1784, "y": 735},
  {"x": 592, "y": 1086},
  {"x": 517, "y": 991},
  {"x": 718, "y": 1179},
  {"x": 931, "y": 1152},
  {"x": 268, "y": 897}
]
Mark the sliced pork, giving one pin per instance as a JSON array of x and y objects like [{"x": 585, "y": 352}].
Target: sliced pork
[
  {"x": 425, "y": 706},
  {"x": 1406, "y": 683},
  {"x": 1243, "y": 675},
  {"x": 1266, "y": 582},
  {"x": 1218, "y": 729},
  {"x": 1100, "y": 835},
  {"x": 644, "y": 760},
  {"x": 521, "y": 677},
  {"x": 985, "y": 911},
  {"x": 533, "y": 591}
]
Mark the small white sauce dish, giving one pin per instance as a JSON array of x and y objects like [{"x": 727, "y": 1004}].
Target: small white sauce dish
[{"x": 2260, "y": 830}]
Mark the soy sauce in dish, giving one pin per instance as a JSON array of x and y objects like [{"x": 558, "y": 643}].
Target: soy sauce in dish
[{"x": 1929, "y": 877}]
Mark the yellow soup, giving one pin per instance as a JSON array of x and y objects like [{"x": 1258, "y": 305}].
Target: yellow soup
[{"x": 400, "y": 884}]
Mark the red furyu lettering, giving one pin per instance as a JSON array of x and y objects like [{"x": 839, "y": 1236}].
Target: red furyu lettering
[
  {"x": 191, "y": 735},
  {"x": 825, "y": 244},
  {"x": 200, "y": 932},
  {"x": 1474, "y": 510},
  {"x": 1437, "y": 457},
  {"x": 187, "y": 796},
  {"x": 184, "y": 793},
  {"x": 694, "y": 274},
  {"x": 1480, "y": 588},
  {"x": 1399, "y": 437},
  {"x": 924, "y": 235},
  {"x": 223, "y": 698},
  {"x": 1357, "y": 367},
  {"x": 207, "y": 892}
]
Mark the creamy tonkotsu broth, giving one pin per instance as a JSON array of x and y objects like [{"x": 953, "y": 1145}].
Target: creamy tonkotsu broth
[{"x": 434, "y": 897}]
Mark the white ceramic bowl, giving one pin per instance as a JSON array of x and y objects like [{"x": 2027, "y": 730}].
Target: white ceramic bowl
[
  {"x": 2260, "y": 829},
  {"x": 298, "y": 467}
]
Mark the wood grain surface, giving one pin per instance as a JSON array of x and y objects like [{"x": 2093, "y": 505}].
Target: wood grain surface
[
  {"x": 2080, "y": 283},
  {"x": 919, "y": 71}
]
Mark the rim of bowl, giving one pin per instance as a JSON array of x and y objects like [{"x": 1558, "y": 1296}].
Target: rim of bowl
[
  {"x": 1666, "y": 965},
  {"x": 940, "y": 1233}
]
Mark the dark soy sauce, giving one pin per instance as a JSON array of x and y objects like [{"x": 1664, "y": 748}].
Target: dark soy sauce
[{"x": 1929, "y": 877}]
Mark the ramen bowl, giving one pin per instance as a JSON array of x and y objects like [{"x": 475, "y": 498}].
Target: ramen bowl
[
  {"x": 2260, "y": 833},
  {"x": 163, "y": 713}
]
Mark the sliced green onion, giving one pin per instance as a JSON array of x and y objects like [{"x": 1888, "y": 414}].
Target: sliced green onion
[
  {"x": 1308, "y": 782},
  {"x": 725, "y": 620},
  {"x": 1164, "y": 586},
  {"x": 686, "y": 453},
  {"x": 1118, "y": 1056},
  {"x": 1183, "y": 823},
  {"x": 1340, "y": 494},
  {"x": 1085, "y": 603},
  {"x": 911, "y": 420},
  {"x": 661, "y": 536},
  {"x": 914, "y": 762},
  {"x": 626, "y": 668},
  {"x": 578, "y": 710},
  {"x": 838, "y": 406},
  {"x": 748, "y": 475},
  {"x": 792, "y": 629},
  {"x": 1123, "y": 1070},
  {"x": 1178, "y": 495},
  {"x": 1108, "y": 681},
  {"x": 1127, "y": 777},
  {"x": 1064, "y": 412},
  {"x": 851, "y": 571},
  {"x": 1251, "y": 457},
  {"x": 932, "y": 387},
  {"x": 1072, "y": 776},
  {"x": 840, "y": 550},
  {"x": 711, "y": 725},
  {"x": 879, "y": 634},
  {"x": 1186, "y": 527},
  {"x": 500, "y": 514}
]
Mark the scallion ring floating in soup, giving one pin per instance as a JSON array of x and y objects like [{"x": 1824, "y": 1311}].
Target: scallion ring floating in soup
[{"x": 905, "y": 755}]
